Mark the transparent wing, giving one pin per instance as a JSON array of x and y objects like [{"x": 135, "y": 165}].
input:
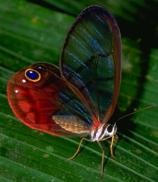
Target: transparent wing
[{"x": 92, "y": 50}]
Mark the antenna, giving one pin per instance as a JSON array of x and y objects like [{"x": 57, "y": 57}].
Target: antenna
[{"x": 132, "y": 113}]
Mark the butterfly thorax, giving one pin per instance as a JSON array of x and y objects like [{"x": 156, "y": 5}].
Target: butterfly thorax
[{"x": 103, "y": 132}]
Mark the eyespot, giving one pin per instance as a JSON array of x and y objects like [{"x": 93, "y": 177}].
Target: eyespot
[{"x": 32, "y": 75}]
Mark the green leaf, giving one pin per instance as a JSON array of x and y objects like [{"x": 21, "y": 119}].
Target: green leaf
[{"x": 31, "y": 33}]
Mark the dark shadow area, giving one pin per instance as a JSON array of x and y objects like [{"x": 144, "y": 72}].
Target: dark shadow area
[{"x": 145, "y": 28}]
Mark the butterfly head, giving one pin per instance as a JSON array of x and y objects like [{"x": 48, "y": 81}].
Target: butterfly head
[{"x": 103, "y": 132}]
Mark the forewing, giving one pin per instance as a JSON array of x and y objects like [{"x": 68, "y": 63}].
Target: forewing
[{"x": 92, "y": 50}]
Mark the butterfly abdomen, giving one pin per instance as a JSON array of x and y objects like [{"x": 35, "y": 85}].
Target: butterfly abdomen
[{"x": 71, "y": 124}]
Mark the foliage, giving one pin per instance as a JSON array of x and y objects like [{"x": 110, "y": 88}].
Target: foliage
[{"x": 31, "y": 32}]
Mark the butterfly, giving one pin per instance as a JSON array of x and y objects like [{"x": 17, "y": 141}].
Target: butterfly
[{"x": 78, "y": 97}]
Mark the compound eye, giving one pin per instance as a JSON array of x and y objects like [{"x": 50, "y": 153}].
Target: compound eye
[
  {"x": 32, "y": 75},
  {"x": 111, "y": 130}
]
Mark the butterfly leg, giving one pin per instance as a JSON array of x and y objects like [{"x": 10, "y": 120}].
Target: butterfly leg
[
  {"x": 78, "y": 149},
  {"x": 111, "y": 146},
  {"x": 113, "y": 139},
  {"x": 102, "y": 158}
]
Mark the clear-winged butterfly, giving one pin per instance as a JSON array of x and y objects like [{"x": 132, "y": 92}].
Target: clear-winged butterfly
[{"x": 80, "y": 96}]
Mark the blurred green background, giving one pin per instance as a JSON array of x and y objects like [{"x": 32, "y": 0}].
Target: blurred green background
[{"x": 33, "y": 31}]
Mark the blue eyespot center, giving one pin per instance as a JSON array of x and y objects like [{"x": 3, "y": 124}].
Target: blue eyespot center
[{"x": 32, "y": 75}]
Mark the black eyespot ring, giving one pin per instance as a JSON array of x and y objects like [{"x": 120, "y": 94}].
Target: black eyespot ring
[{"x": 32, "y": 75}]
